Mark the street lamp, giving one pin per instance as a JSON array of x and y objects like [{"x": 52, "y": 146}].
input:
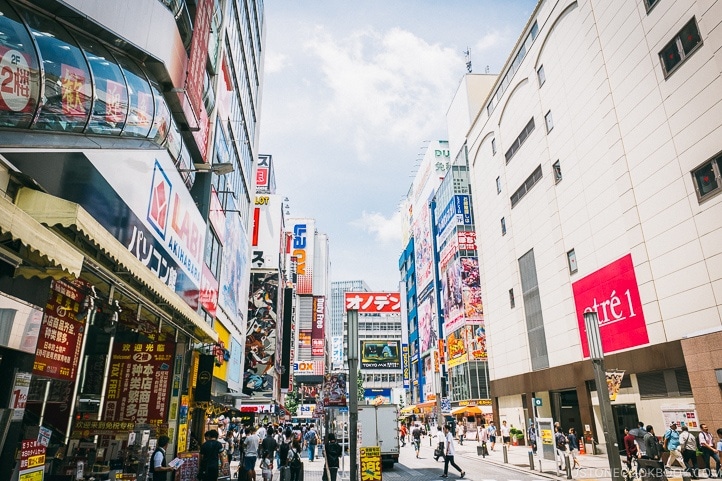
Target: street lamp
[
  {"x": 352, "y": 325},
  {"x": 596, "y": 354}
]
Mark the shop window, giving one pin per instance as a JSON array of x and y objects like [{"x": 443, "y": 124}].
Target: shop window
[
  {"x": 162, "y": 120},
  {"x": 67, "y": 79},
  {"x": 680, "y": 47},
  {"x": 708, "y": 178},
  {"x": 19, "y": 72},
  {"x": 140, "y": 101}
]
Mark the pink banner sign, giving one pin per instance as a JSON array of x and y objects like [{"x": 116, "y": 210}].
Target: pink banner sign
[{"x": 613, "y": 293}]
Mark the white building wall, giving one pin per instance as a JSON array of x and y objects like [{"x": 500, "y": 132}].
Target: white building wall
[{"x": 627, "y": 140}]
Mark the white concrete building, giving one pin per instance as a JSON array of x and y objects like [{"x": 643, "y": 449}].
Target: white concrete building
[{"x": 595, "y": 167}]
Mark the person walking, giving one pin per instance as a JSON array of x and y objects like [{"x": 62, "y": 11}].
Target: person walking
[
  {"x": 573, "y": 447},
  {"x": 311, "y": 439},
  {"x": 440, "y": 443},
  {"x": 707, "y": 446},
  {"x": 416, "y": 439},
  {"x": 159, "y": 469},
  {"x": 531, "y": 434},
  {"x": 689, "y": 451},
  {"x": 505, "y": 434},
  {"x": 269, "y": 445},
  {"x": 670, "y": 442},
  {"x": 210, "y": 450},
  {"x": 250, "y": 445},
  {"x": 402, "y": 434},
  {"x": 462, "y": 433},
  {"x": 333, "y": 452},
  {"x": 630, "y": 447},
  {"x": 294, "y": 461},
  {"x": 560, "y": 443},
  {"x": 449, "y": 454},
  {"x": 492, "y": 434}
]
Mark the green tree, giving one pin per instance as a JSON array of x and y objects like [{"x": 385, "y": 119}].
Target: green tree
[
  {"x": 360, "y": 385},
  {"x": 292, "y": 402}
]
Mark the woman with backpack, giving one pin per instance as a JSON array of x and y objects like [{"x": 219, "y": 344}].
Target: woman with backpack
[{"x": 294, "y": 461}]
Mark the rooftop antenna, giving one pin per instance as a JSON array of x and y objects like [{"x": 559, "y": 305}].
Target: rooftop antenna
[{"x": 467, "y": 55}]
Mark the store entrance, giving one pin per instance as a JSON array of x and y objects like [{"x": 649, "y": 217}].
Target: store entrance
[
  {"x": 625, "y": 416},
  {"x": 565, "y": 410}
]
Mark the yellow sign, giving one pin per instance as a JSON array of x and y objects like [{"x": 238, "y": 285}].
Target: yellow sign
[
  {"x": 36, "y": 475},
  {"x": 370, "y": 463},
  {"x": 38, "y": 460},
  {"x": 546, "y": 435},
  {"x": 182, "y": 438}
]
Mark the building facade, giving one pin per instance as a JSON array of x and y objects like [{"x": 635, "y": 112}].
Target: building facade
[
  {"x": 125, "y": 172},
  {"x": 595, "y": 168}
]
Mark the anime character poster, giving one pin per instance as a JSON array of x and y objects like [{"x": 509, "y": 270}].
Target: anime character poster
[
  {"x": 473, "y": 305},
  {"x": 334, "y": 389},
  {"x": 423, "y": 251},
  {"x": 476, "y": 341},
  {"x": 261, "y": 335},
  {"x": 453, "y": 296},
  {"x": 427, "y": 324}
]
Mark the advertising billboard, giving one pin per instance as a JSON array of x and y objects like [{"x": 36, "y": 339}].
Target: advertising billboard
[
  {"x": 452, "y": 290},
  {"x": 428, "y": 334},
  {"x": 261, "y": 334},
  {"x": 266, "y": 237},
  {"x": 423, "y": 251},
  {"x": 613, "y": 294},
  {"x": 377, "y": 395},
  {"x": 334, "y": 389},
  {"x": 235, "y": 270},
  {"x": 457, "y": 347},
  {"x": 476, "y": 341},
  {"x": 373, "y": 302},
  {"x": 380, "y": 354},
  {"x": 302, "y": 245},
  {"x": 406, "y": 365},
  {"x": 337, "y": 352},
  {"x": 139, "y": 382},
  {"x": 318, "y": 339},
  {"x": 471, "y": 289}
]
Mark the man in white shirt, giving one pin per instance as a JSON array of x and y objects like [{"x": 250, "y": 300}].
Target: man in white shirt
[
  {"x": 449, "y": 454},
  {"x": 505, "y": 433}
]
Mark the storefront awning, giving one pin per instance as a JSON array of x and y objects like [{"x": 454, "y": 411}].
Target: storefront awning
[
  {"x": 426, "y": 405},
  {"x": 408, "y": 409},
  {"x": 52, "y": 255},
  {"x": 467, "y": 410},
  {"x": 51, "y": 211}
]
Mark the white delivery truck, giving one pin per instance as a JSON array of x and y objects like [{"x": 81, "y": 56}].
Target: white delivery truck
[{"x": 379, "y": 426}]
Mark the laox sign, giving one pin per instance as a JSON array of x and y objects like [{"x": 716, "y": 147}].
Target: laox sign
[
  {"x": 613, "y": 294},
  {"x": 299, "y": 248}
]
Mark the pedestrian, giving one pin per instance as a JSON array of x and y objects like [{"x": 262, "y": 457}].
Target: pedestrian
[
  {"x": 449, "y": 454},
  {"x": 266, "y": 469},
  {"x": 159, "y": 469},
  {"x": 492, "y": 434},
  {"x": 333, "y": 452},
  {"x": 708, "y": 449},
  {"x": 462, "y": 433},
  {"x": 311, "y": 439},
  {"x": 630, "y": 447},
  {"x": 688, "y": 445},
  {"x": 652, "y": 449},
  {"x": 531, "y": 434},
  {"x": 402, "y": 434},
  {"x": 269, "y": 445},
  {"x": 440, "y": 443},
  {"x": 670, "y": 442},
  {"x": 209, "y": 456},
  {"x": 484, "y": 438},
  {"x": 250, "y": 444},
  {"x": 294, "y": 461},
  {"x": 505, "y": 434},
  {"x": 560, "y": 443},
  {"x": 416, "y": 438},
  {"x": 573, "y": 447}
]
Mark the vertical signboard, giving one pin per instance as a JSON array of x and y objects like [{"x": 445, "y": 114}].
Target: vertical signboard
[
  {"x": 235, "y": 269},
  {"x": 139, "y": 382},
  {"x": 318, "y": 340},
  {"x": 266, "y": 236},
  {"x": 287, "y": 337},
  {"x": 406, "y": 366},
  {"x": 261, "y": 334},
  {"x": 613, "y": 294},
  {"x": 61, "y": 334},
  {"x": 302, "y": 245}
]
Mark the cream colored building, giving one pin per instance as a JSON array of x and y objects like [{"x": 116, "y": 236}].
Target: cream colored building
[{"x": 595, "y": 163}]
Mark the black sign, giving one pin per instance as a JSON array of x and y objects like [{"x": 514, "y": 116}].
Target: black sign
[{"x": 204, "y": 380}]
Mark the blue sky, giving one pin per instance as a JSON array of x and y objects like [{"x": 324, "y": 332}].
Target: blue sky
[{"x": 350, "y": 93}]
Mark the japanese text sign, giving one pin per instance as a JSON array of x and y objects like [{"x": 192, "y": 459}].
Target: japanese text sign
[
  {"x": 373, "y": 302},
  {"x": 370, "y": 463}
]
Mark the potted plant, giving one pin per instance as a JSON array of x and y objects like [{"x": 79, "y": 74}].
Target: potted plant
[{"x": 517, "y": 436}]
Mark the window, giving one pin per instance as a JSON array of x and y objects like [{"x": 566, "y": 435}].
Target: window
[
  {"x": 649, "y": 4},
  {"x": 493, "y": 146},
  {"x": 503, "y": 226},
  {"x": 549, "y": 121},
  {"x": 526, "y": 186},
  {"x": 541, "y": 76},
  {"x": 708, "y": 178},
  {"x": 680, "y": 47},
  {"x": 498, "y": 185},
  {"x": 512, "y": 303},
  {"x": 557, "y": 168},
  {"x": 572, "y": 261},
  {"x": 516, "y": 145}
]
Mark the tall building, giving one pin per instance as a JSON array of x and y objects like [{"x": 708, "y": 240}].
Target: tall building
[
  {"x": 337, "y": 333},
  {"x": 595, "y": 171},
  {"x": 129, "y": 137}
]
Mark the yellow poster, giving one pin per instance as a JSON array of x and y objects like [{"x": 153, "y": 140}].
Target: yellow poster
[
  {"x": 36, "y": 475},
  {"x": 546, "y": 435},
  {"x": 370, "y": 463},
  {"x": 614, "y": 382}
]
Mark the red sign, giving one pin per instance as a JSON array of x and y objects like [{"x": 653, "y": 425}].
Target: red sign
[
  {"x": 199, "y": 54},
  {"x": 613, "y": 293},
  {"x": 58, "y": 352},
  {"x": 208, "y": 295},
  {"x": 318, "y": 341},
  {"x": 262, "y": 177},
  {"x": 373, "y": 302},
  {"x": 74, "y": 90},
  {"x": 139, "y": 382},
  {"x": 20, "y": 78},
  {"x": 32, "y": 454},
  {"x": 467, "y": 240}
]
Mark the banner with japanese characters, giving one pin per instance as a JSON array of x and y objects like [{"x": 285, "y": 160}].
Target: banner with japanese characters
[
  {"x": 139, "y": 382},
  {"x": 318, "y": 339},
  {"x": 61, "y": 334},
  {"x": 373, "y": 302}
]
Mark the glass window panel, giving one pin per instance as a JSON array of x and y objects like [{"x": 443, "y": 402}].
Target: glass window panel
[
  {"x": 690, "y": 37},
  {"x": 19, "y": 71},
  {"x": 67, "y": 100},
  {"x": 162, "y": 120},
  {"x": 173, "y": 141},
  {"x": 140, "y": 99},
  {"x": 110, "y": 106},
  {"x": 670, "y": 56},
  {"x": 706, "y": 181}
]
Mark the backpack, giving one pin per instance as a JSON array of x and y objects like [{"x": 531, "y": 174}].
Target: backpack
[
  {"x": 561, "y": 441},
  {"x": 296, "y": 460}
]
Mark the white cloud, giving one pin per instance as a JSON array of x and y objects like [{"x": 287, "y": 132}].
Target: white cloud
[
  {"x": 383, "y": 229},
  {"x": 383, "y": 85},
  {"x": 274, "y": 62}
]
